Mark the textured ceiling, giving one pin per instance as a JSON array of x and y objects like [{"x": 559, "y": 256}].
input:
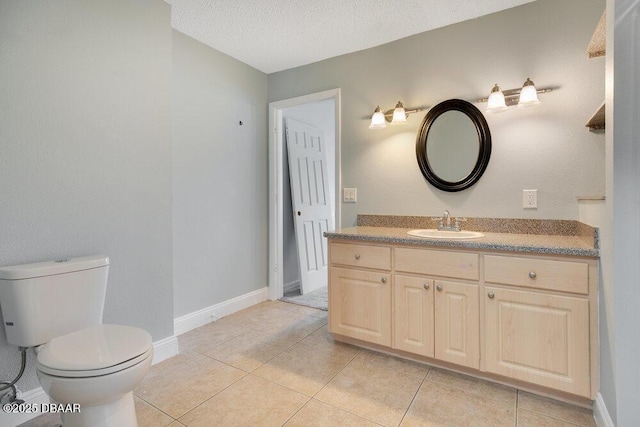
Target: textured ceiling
[{"x": 274, "y": 35}]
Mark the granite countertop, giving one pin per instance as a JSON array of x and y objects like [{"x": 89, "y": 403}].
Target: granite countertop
[{"x": 560, "y": 238}]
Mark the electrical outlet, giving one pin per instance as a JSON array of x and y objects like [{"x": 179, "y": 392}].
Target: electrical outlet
[
  {"x": 530, "y": 199},
  {"x": 350, "y": 195}
]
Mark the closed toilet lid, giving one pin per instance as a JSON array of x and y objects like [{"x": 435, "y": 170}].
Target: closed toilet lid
[{"x": 97, "y": 347}]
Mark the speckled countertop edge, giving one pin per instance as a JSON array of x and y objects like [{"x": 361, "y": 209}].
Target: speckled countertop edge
[{"x": 577, "y": 240}]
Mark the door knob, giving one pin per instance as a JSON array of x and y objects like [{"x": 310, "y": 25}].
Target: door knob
[
  {"x": 357, "y": 256},
  {"x": 491, "y": 295},
  {"x": 383, "y": 280},
  {"x": 426, "y": 286},
  {"x": 299, "y": 213},
  {"x": 439, "y": 288},
  {"x": 532, "y": 274}
]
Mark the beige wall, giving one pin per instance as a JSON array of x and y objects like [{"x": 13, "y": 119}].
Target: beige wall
[{"x": 546, "y": 148}]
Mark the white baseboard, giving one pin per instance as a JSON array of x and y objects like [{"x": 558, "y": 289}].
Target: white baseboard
[
  {"x": 198, "y": 318},
  {"x": 165, "y": 349},
  {"x": 601, "y": 414}
]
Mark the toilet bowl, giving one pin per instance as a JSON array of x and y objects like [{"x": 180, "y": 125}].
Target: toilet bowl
[
  {"x": 88, "y": 368},
  {"x": 95, "y": 369}
]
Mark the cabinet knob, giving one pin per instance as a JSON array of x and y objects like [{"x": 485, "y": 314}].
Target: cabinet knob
[
  {"x": 383, "y": 280},
  {"x": 426, "y": 286},
  {"x": 357, "y": 256},
  {"x": 491, "y": 295},
  {"x": 439, "y": 288},
  {"x": 532, "y": 274}
]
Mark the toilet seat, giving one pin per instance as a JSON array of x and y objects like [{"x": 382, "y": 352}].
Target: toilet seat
[{"x": 95, "y": 351}]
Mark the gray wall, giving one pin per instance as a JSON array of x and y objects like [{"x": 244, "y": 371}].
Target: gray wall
[
  {"x": 620, "y": 295},
  {"x": 219, "y": 176},
  {"x": 85, "y": 149},
  {"x": 546, "y": 148}
]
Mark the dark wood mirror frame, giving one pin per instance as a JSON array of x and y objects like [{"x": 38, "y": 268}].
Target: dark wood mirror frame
[{"x": 484, "y": 140}]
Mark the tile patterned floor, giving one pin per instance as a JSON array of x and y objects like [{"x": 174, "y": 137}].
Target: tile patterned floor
[{"x": 275, "y": 364}]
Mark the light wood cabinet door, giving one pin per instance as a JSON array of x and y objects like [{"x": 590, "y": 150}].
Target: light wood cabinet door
[
  {"x": 360, "y": 304},
  {"x": 413, "y": 315},
  {"x": 538, "y": 338},
  {"x": 457, "y": 323}
]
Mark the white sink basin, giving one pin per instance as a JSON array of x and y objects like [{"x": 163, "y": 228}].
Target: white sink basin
[{"x": 445, "y": 234}]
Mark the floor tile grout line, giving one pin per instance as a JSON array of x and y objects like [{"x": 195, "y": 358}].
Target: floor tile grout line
[
  {"x": 296, "y": 412},
  {"x": 260, "y": 332},
  {"x": 516, "y": 415},
  {"x": 548, "y": 415},
  {"x": 393, "y": 369},
  {"x": 467, "y": 391},
  {"x": 212, "y": 396},
  {"x": 414, "y": 398},
  {"x": 553, "y": 417},
  {"x": 346, "y": 410},
  {"x": 289, "y": 348},
  {"x": 336, "y": 374},
  {"x": 155, "y": 407}
]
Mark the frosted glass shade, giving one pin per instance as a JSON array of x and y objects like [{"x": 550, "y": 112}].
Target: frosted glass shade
[
  {"x": 528, "y": 95},
  {"x": 399, "y": 115},
  {"x": 496, "y": 103},
  {"x": 377, "y": 119}
]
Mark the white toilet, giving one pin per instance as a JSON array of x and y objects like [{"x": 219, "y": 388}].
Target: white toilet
[{"x": 57, "y": 307}]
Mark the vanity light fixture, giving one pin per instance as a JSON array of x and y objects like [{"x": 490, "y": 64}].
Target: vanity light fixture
[
  {"x": 397, "y": 116},
  {"x": 527, "y": 96}
]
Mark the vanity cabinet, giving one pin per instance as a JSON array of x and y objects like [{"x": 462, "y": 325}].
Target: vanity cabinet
[
  {"x": 450, "y": 312},
  {"x": 533, "y": 334},
  {"x": 527, "y": 318},
  {"x": 360, "y": 292}
]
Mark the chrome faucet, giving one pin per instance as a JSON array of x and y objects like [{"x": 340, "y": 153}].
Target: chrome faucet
[
  {"x": 445, "y": 222},
  {"x": 446, "y": 219}
]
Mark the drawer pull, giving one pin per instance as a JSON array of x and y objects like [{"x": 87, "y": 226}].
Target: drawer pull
[
  {"x": 491, "y": 295},
  {"x": 439, "y": 288},
  {"x": 426, "y": 286},
  {"x": 383, "y": 280},
  {"x": 532, "y": 274},
  {"x": 357, "y": 256}
]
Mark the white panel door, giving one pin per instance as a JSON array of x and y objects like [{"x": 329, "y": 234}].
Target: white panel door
[{"x": 310, "y": 200}]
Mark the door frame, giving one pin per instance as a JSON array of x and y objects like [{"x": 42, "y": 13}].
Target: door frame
[{"x": 276, "y": 208}]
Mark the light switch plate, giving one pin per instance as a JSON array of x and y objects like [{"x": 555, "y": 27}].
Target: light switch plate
[
  {"x": 530, "y": 199},
  {"x": 350, "y": 195}
]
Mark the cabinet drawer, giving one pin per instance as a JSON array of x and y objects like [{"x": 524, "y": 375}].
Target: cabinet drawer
[
  {"x": 437, "y": 263},
  {"x": 378, "y": 257},
  {"x": 565, "y": 276}
]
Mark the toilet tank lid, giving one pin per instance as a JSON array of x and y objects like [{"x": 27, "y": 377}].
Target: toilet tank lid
[{"x": 50, "y": 268}]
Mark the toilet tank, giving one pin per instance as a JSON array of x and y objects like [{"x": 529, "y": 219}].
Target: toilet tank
[{"x": 48, "y": 299}]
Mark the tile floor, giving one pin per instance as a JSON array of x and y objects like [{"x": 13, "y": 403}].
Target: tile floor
[{"x": 275, "y": 364}]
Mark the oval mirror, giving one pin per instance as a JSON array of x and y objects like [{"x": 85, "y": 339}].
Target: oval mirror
[{"x": 453, "y": 145}]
